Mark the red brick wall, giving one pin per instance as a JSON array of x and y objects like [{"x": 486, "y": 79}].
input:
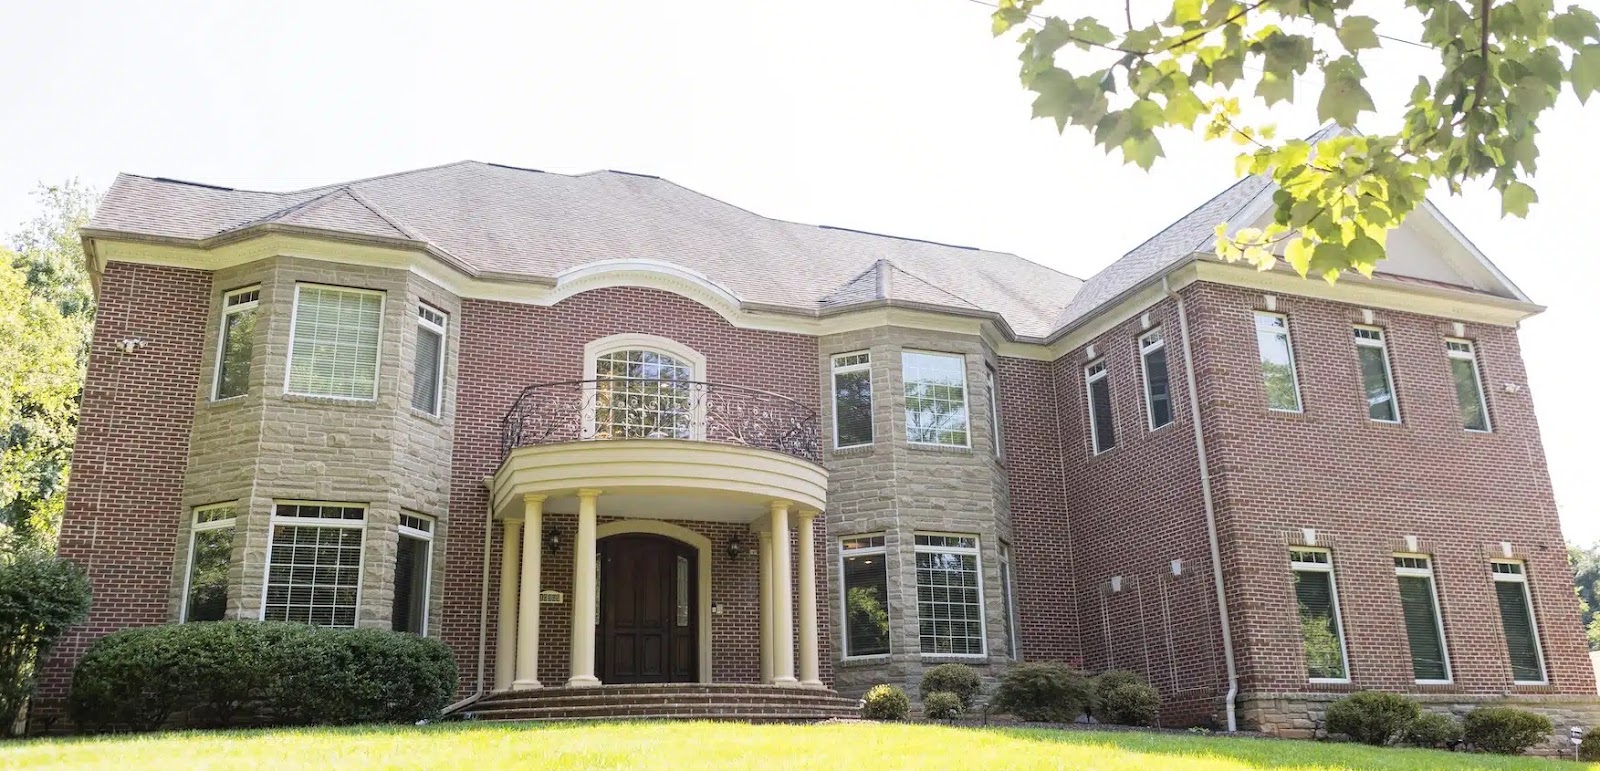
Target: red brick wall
[
  {"x": 506, "y": 347},
  {"x": 125, "y": 500},
  {"x": 1364, "y": 486}
]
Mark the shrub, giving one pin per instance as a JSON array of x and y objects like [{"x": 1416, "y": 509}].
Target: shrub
[
  {"x": 885, "y": 702},
  {"x": 1589, "y": 749},
  {"x": 1504, "y": 730},
  {"x": 265, "y": 673},
  {"x": 958, "y": 679},
  {"x": 943, "y": 705},
  {"x": 1433, "y": 729},
  {"x": 1103, "y": 683},
  {"x": 1372, "y": 717},
  {"x": 41, "y": 595},
  {"x": 1129, "y": 704},
  {"x": 1049, "y": 693}
]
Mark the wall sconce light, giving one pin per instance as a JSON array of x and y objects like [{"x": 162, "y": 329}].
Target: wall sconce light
[
  {"x": 552, "y": 539},
  {"x": 735, "y": 548}
]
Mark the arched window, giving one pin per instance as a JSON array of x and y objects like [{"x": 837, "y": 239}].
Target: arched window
[{"x": 644, "y": 387}]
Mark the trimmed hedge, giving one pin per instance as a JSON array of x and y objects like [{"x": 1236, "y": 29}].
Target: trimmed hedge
[
  {"x": 1124, "y": 698},
  {"x": 885, "y": 702},
  {"x": 1434, "y": 730},
  {"x": 1044, "y": 693},
  {"x": 230, "y": 672},
  {"x": 942, "y": 705},
  {"x": 1504, "y": 730},
  {"x": 1372, "y": 717},
  {"x": 1589, "y": 749},
  {"x": 958, "y": 679}
]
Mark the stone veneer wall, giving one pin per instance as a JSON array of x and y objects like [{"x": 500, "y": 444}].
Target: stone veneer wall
[
  {"x": 1302, "y": 715},
  {"x": 898, "y": 489}
]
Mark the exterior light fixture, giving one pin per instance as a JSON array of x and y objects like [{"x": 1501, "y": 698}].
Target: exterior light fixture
[
  {"x": 552, "y": 539},
  {"x": 735, "y": 548}
]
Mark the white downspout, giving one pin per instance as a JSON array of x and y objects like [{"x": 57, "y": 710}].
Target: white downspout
[
  {"x": 1211, "y": 509},
  {"x": 483, "y": 607}
]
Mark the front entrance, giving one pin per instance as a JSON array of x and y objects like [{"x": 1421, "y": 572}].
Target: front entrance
[{"x": 648, "y": 618}]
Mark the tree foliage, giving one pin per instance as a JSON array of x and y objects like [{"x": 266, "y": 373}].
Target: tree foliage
[
  {"x": 1504, "y": 62},
  {"x": 1586, "y": 582},
  {"x": 41, "y": 595}
]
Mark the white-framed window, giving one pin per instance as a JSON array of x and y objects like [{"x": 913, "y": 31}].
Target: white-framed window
[
  {"x": 205, "y": 588},
  {"x": 314, "y": 563},
  {"x": 644, "y": 388},
  {"x": 336, "y": 335},
  {"x": 936, "y": 398},
  {"x": 1009, "y": 597},
  {"x": 1102, "y": 425},
  {"x": 864, "y": 583},
  {"x": 427, "y": 380},
  {"x": 852, "y": 399},
  {"x": 1419, "y": 605},
  {"x": 413, "y": 573},
  {"x": 1277, "y": 362},
  {"x": 1322, "y": 633},
  {"x": 1517, "y": 619},
  {"x": 1157, "y": 388},
  {"x": 1463, "y": 358},
  {"x": 1377, "y": 381},
  {"x": 950, "y": 595},
  {"x": 991, "y": 382},
  {"x": 235, "y": 342}
]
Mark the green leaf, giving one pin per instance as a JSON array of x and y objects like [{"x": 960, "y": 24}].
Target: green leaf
[
  {"x": 1516, "y": 199},
  {"x": 1586, "y": 72},
  {"x": 1343, "y": 96},
  {"x": 1298, "y": 255},
  {"x": 1364, "y": 253},
  {"x": 1575, "y": 26},
  {"x": 1185, "y": 11},
  {"x": 1142, "y": 150},
  {"x": 1274, "y": 89},
  {"x": 1328, "y": 260},
  {"x": 1357, "y": 32}
]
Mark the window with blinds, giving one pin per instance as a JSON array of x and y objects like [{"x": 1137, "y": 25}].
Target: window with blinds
[
  {"x": 427, "y": 385},
  {"x": 236, "y": 342},
  {"x": 1419, "y": 605},
  {"x": 1516, "y": 617},
  {"x": 864, "y": 570},
  {"x": 949, "y": 595},
  {"x": 412, "y": 573},
  {"x": 852, "y": 399},
  {"x": 314, "y": 563},
  {"x": 1157, "y": 389},
  {"x": 1102, "y": 428},
  {"x": 336, "y": 334},
  {"x": 1318, "y": 600}
]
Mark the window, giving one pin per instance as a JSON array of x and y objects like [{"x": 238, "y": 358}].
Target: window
[
  {"x": 640, "y": 393},
  {"x": 949, "y": 595},
  {"x": 1008, "y": 597},
  {"x": 427, "y": 381},
  {"x": 863, "y": 563},
  {"x": 936, "y": 398},
  {"x": 1318, "y": 601},
  {"x": 236, "y": 342},
  {"x": 1101, "y": 429},
  {"x": 412, "y": 573},
  {"x": 1277, "y": 362},
  {"x": 1157, "y": 391},
  {"x": 852, "y": 399},
  {"x": 994, "y": 410},
  {"x": 1376, "y": 384},
  {"x": 335, "y": 342},
  {"x": 1516, "y": 616},
  {"x": 1419, "y": 604},
  {"x": 210, "y": 556},
  {"x": 1469, "y": 384},
  {"x": 314, "y": 563}
]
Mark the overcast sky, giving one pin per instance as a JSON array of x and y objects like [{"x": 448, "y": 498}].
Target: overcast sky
[{"x": 901, "y": 117}]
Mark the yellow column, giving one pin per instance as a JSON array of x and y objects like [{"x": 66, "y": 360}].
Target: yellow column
[
  {"x": 783, "y": 602},
  {"x": 764, "y": 552},
  {"x": 505, "y": 652},
  {"x": 583, "y": 593},
  {"x": 528, "y": 607},
  {"x": 807, "y": 569}
]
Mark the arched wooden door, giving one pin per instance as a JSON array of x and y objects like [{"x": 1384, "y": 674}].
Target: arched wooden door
[{"x": 648, "y": 616}]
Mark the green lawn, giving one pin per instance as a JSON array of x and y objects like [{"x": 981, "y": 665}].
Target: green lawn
[{"x": 718, "y": 745}]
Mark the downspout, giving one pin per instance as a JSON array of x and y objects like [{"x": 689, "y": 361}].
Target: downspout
[
  {"x": 1211, "y": 508},
  {"x": 483, "y": 608}
]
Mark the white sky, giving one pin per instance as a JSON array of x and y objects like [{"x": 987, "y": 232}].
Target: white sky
[{"x": 899, "y": 116}]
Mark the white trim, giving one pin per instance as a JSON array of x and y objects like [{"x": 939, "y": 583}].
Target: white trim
[
  {"x": 1521, "y": 577},
  {"x": 844, "y": 604},
  {"x": 992, "y": 382},
  {"x": 1288, "y": 345},
  {"x": 1381, "y": 342},
  {"x": 222, "y": 335},
  {"x": 966, "y": 400},
  {"x": 702, "y": 546},
  {"x": 294, "y": 319},
  {"x": 348, "y": 524},
  {"x": 1146, "y": 348},
  {"x": 1333, "y": 593},
  {"x": 833, "y": 380},
  {"x": 440, "y": 327},
  {"x": 1438, "y": 612},
  {"x": 1470, "y": 355},
  {"x": 976, "y": 550},
  {"x": 426, "y": 536},
  {"x": 1094, "y": 372},
  {"x": 196, "y": 526}
]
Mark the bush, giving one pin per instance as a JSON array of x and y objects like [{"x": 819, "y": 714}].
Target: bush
[
  {"x": 263, "y": 673},
  {"x": 1372, "y": 717},
  {"x": 1107, "y": 681},
  {"x": 1435, "y": 730},
  {"x": 41, "y": 596},
  {"x": 943, "y": 705},
  {"x": 1046, "y": 693},
  {"x": 1129, "y": 704},
  {"x": 1589, "y": 749},
  {"x": 885, "y": 702},
  {"x": 1504, "y": 730},
  {"x": 958, "y": 679}
]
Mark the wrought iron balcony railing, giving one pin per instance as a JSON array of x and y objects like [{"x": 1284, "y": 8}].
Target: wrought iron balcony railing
[{"x": 636, "y": 408}]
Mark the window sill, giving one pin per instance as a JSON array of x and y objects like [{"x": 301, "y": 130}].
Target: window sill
[
  {"x": 437, "y": 420},
  {"x": 938, "y": 449},
  {"x": 332, "y": 401},
  {"x": 865, "y": 661},
  {"x": 853, "y": 451},
  {"x": 955, "y": 657}
]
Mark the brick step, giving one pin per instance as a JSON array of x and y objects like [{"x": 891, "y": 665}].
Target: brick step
[
  {"x": 732, "y": 717},
  {"x": 652, "y": 699},
  {"x": 669, "y": 712},
  {"x": 657, "y": 688}
]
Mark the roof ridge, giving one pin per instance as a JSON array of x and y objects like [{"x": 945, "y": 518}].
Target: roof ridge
[
  {"x": 925, "y": 282},
  {"x": 415, "y": 235},
  {"x": 279, "y": 213},
  {"x": 351, "y": 182}
]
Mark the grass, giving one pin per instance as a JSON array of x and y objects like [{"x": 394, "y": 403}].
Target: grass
[{"x": 718, "y": 745}]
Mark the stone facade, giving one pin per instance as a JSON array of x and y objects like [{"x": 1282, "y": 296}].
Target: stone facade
[{"x": 1303, "y": 715}]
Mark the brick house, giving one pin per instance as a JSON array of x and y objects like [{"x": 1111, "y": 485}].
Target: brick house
[{"x": 478, "y": 402}]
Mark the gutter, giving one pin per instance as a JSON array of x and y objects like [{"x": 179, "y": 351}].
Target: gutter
[
  {"x": 483, "y": 611},
  {"x": 1231, "y": 700}
]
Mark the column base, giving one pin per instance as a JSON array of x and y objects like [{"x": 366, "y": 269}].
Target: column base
[
  {"x": 525, "y": 685},
  {"x": 582, "y": 681},
  {"x": 786, "y": 682},
  {"x": 812, "y": 684}
]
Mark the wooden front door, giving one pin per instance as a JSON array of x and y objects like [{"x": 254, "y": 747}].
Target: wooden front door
[{"x": 648, "y": 619}]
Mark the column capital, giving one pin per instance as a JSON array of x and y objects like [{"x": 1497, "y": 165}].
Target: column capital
[
  {"x": 778, "y": 506},
  {"x": 534, "y": 498},
  {"x": 806, "y": 515},
  {"x": 764, "y": 535},
  {"x": 589, "y": 492}
]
